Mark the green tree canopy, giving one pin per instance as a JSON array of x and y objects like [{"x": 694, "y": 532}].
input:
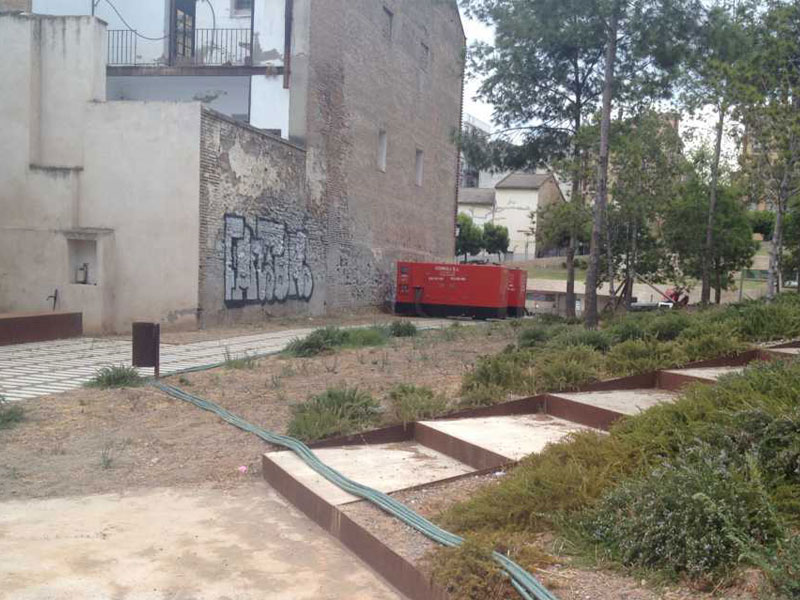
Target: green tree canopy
[
  {"x": 495, "y": 239},
  {"x": 470, "y": 236}
]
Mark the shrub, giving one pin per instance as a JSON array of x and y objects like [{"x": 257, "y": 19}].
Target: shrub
[
  {"x": 782, "y": 567},
  {"x": 761, "y": 321},
  {"x": 511, "y": 371},
  {"x": 319, "y": 341},
  {"x": 403, "y": 329},
  {"x": 533, "y": 336},
  {"x": 710, "y": 340},
  {"x": 328, "y": 339},
  {"x": 238, "y": 362},
  {"x": 566, "y": 369},
  {"x": 640, "y": 356},
  {"x": 668, "y": 325},
  {"x": 116, "y": 377},
  {"x": 627, "y": 329},
  {"x": 578, "y": 336},
  {"x": 469, "y": 572},
  {"x": 482, "y": 395},
  {"x": 409, "y": 403},
  {"x": 337, "y": 411},
  {"x": 549, "y": 319},
  {"x": 693, "y": 515},
  {"x": 10, "y": 414}
]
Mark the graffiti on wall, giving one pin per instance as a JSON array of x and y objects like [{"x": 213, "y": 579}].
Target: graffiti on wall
[{"x": 265, "y": 264}]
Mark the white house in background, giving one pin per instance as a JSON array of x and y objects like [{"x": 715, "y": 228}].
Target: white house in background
[
  {"x": 478, "y": 203},
  {"x": 516, "y": 197},
  {"x": 228, "y": 54}
]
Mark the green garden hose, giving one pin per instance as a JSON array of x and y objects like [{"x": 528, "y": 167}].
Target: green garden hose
[{"x": 525, "y": 583}]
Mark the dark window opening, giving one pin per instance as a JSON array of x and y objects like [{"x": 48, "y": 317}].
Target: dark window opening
[
  {"x": 183, "y": 40},
  {"x": 388, "y": 23},
  {"x": 242, "y": 5}
]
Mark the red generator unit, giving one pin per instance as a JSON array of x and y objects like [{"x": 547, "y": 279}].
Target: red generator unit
[
  {"x": 451, "y": 290},
  {"x": 517, "y": 292}
]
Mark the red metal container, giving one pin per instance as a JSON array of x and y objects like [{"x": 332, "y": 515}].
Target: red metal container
[
  {"x": 517, "y": 291},
  {"x": 446, "y": 289}
]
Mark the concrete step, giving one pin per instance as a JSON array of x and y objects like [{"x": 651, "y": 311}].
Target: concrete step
[
  {"x": 512, "y": 437},
  {"x": 626, "y": 402},
  {"x": 384, "y": 467}
]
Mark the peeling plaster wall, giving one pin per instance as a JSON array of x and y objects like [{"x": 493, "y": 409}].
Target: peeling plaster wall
[{"x": 261, "y": 243}]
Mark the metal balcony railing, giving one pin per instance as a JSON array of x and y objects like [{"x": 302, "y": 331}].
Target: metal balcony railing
[{"x": 209, "y": 47}]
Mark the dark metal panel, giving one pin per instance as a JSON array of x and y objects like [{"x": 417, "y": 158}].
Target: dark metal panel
[{"x": 20, "y": 328}]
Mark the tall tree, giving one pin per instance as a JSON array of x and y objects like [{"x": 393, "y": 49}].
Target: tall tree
[
  {"x": 647, "y": 166},
  {"x": 769, "y": 105},
  {"x": 543, "y": 75},
  {"x": 645, "y": 41},
  {"x": 683, "y": 227},
  {"x": 722, "y": 42}
]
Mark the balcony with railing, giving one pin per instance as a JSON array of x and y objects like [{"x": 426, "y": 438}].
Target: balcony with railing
[{"x": 196, "y": 48}]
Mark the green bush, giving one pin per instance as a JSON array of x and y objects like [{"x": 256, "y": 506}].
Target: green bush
[
  {"x": 238, "y": 362},
  {"x": 469, "y": 572},
  {"x": 484, "y": 394},
  {"x": 409, "y": 403},
  {"x": 10, "y": 414},
  {"x": 641, "y": 356},
  {"x": 710, "y": 340},
  {"x": 511, "y": 371},
  {"x": 762, "y": 321},
  {"x": 328, "y": 339},
  {"x": 668, "y": 325},
  {"x": 694, "y": 515},
  {"x": 782, "y": 567},
  {"x": 116, "y": 377},
  {"x": 533, "y": 336},
  {"x": 578, "y": 336},
  {"x": 626, "y": 329},
  {"x": 403, "y": 329},
  {"x": 566, "y": 369},
  {"x": 337, "y": 411}
]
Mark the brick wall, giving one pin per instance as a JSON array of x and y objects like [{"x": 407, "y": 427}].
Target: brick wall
[
  {"x": 409, "y": 84},
  {"x": 261, "y": 248},
  {"x": 15, "y": 5}
]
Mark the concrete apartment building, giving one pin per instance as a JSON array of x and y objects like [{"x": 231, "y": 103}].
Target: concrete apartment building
[{"x": 183, "y": 210}]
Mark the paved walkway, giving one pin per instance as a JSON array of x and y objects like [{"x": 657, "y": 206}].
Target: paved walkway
[{"x": 43, "y": 368}]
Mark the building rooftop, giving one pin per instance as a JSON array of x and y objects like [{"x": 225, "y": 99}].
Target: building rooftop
[
  {"x": 479, "y": 196},
  {"x": 523, "y": 181}
]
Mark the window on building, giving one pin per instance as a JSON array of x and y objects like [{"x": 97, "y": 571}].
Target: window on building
[
  {"x": 388, "y": 23},
  {"x": 424, "y": 56},
  {"x": 382, "y": 144},
  {"x": 470, "y": 176},
  {"x": 419, "y": 166},
  {"x": 184, "y": 29},
  {"x": 240, "y": 6}
]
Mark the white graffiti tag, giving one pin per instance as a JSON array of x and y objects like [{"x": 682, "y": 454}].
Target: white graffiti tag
[{"x": 265, "y": 266}]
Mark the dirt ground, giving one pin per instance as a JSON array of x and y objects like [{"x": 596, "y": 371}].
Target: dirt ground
[
  {"x": 91, "y": 441},
  {"x": 178, "y": 543},
  {"x": 134, "y": 440}
]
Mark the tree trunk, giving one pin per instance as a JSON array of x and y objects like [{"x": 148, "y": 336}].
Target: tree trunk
[
  {"x": 632, "y": 266},
  {"x": 718, "y": 284},
  {"x": 777, "y": 239},
  {"x": 705, "y": 293},
  {"x": 573, "y": 239},
  {"x": 602, "y": 176}
]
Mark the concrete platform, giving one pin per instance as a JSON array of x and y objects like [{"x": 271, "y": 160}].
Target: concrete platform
[
  {"x": 384, "y": 467},
  {"x": 627, "y": 402},
  {"x": 192, "y": 543},
  {"x": 513, "y": 436},
  {"x": 709, "y": 373}
]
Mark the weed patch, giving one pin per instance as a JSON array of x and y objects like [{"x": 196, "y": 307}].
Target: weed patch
[
  {"x": 337, "y": 411},
  {"x": 116, "y": 377},
  {"x": 403, "y": 329},
  {"x": 238, "y": 362},
  {"x": 328, "y": 339},
  {"x": 642, "y": 355},
  {"x": 10, "y": 414}
]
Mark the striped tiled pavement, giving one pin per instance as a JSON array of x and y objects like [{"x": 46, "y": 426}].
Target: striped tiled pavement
[{"x": 43, "y": 368}]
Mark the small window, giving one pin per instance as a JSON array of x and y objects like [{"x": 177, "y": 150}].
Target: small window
[
  {"x": 388, "y": 23},
  {"x": 419, "y": 166},
  {"x": 424, "y": 56},
  {"x": 242, "y": 6},
  {"x": 382, "y": 143}
]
